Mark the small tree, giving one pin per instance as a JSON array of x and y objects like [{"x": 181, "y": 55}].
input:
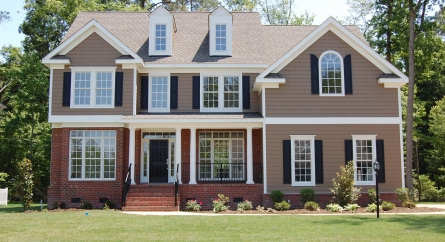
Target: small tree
[
  {"x": 344, "y": 190},
  {"x": 23, "y": 183}
]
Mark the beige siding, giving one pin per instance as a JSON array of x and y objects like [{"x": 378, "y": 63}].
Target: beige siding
[
  {"x": 125, "y": 109},
  {"x": 333, "y": 137},
  {"x": 294, "y": 99},
  {"x": 93, "y": 51}
]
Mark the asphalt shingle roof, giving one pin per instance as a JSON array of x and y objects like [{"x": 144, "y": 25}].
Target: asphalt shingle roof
[{"x": 253, "y": 43}]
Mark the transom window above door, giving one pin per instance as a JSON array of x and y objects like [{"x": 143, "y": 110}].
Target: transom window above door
[{"x": 221, "y": 93}]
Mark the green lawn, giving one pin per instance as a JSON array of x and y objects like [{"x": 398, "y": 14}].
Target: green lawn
[{"x": 102, "y": 225}]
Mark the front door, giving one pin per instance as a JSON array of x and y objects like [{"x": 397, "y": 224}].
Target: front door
[{"x": 158, "y": 161}]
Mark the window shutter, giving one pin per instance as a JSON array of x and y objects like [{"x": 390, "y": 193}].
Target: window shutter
[
  {"x": 196, "y": 92},
  {"x": 381, "y": 159},
  {"x": 66, "y": 89},
  {"x": 348, "y": 74},
  {"x": 173, "y": 92},
  {"x": 319, "y": 162},
  {"x": 246, "y": 92},
  {"x": 287, "y": 162},
  {"x": 144, "y": 92},
  {"x": 118, "y": 88},
  {"x": 349, "y": 155},
  {"x": 314, "y": 75}
]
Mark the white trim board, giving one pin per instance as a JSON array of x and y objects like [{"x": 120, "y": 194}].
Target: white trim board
[
  {"x": 84, "y": 119},
  {"x": 329, "y": 120}
]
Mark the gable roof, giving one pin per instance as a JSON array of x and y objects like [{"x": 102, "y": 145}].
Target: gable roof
[{"x": 253, "y": 43}]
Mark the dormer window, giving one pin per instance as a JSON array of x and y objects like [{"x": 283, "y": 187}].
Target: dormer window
[
  {"x": 220, "y": 29},
  {"x": 160, "y": 33}
]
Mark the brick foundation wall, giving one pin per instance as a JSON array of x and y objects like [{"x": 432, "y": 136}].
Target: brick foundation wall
[{"x": 61, "y": 189}]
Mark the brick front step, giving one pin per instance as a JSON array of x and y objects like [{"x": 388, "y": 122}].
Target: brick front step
[
  {"x": 151, "y": 197},
  {"x": 151, "y": 194},
  {"x": 149, "y": 208}
]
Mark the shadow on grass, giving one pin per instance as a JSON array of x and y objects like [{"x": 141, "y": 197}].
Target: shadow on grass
[
  {"x": 15, "y": 207},
  {"x": 432, "y": 223}
]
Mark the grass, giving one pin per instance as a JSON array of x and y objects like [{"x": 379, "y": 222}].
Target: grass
[
  {"x": 101, "y": 225},
  {"x": 15, "y": 207}
]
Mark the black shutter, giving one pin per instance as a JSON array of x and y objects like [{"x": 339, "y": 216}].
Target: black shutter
[
  {"x": 381, "y": 159},
  {"x": 349, "y": 155},
  {"x": 118, "y": 88},
  {"x": 319, "y": 162},
  {"x": 144, "y": 92},
  {"x": 173, "y": 92},
  {"x": 66, "y": 89},
  {"x": 314, "y": 75},
  {"x": 287, "y": 162},
  {"x": 246, "y": 92},
  {"x": 348, "y": 74},
  {"x": 196, "y": 92}
]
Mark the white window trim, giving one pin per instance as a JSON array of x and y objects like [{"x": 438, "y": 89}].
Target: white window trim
[
  {"x": 221, "y": 92},
  {"x": 150, "y": 89},
  {"x": 374, "y": 156},
  {"x": 83, "y": 160},
  {"x": 342, "y": 75},
  {"x": 92, "y": 71},
  {"x": 227, "y": 21},
  {"x": 303, "y": 137},
  {"x": 159, "y": 20}
]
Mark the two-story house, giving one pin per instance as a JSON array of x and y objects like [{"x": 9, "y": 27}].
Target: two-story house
[{"x": 221, "y": 103}]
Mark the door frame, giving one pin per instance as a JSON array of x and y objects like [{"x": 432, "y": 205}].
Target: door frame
[{"x": 171, "y": 145}]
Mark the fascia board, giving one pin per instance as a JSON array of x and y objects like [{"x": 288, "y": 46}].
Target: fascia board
[
  {"x": 267, "y": 83},
  {"x": 393, "y": 82}
]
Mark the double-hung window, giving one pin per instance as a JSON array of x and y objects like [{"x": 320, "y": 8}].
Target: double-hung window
[
  {"x": 161, "y": 37},
  {"x": 221, "y": 93},
  {"x": 331, "y": 74},
  {"x": 159, "y": 93},
  {"x": 93, "y": 87},
  {"x": 221, "y": 156},
  {"x": 220, "y": 37},
  {"x": 92, "y": 155},
  {"x": 303, "y": 160},
  {"x": 364, "y": 153}
]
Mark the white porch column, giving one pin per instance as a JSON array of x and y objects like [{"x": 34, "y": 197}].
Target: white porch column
[
  {"x": 249, "y": 157},
  {"x": 192, "y": 156},
  {"x": 178, "y": 153},
  {"x": 131, "y": 152}
]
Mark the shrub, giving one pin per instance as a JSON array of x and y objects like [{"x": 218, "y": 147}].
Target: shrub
[
  {"x": 23, "y": 184},
  {"x": 311, "y": 206},
  {"x": 351, "y": 207},
  {"x": 193, "y": 205},
  {"x": 372, "y": 195},
  {"x": 219, "y": 204},
  {"x": 371, "y": 208},
  {"x": 276, "y": 196},
  {"x": 260, "y": 209},
  {"x": 441, "y": 195},
  {"x": 387, "y": 206},
  {"x": 3, "y": 180},
  {"x": 409, "y": 204},
  {"x": 243, "y": 206},
  {"x": 402, "y": 194},
  {"x": 344, "y": 190},
  {"x": 270, "y": 210},
  {"x": 86, "y": 205},
  {"x": 281, "y": 206},
  {"x": 307, "y": 195},
  {"x": 334, "y": 207},
  {"x": 110, "y": 204},
  {"x": 59, "y": 205},
  {"x": 426, "y": 188}
]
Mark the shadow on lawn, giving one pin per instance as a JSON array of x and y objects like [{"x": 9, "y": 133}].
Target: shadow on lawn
[
  {"x": 16, "y": 207},
  {"x": 433, "y": 223}
]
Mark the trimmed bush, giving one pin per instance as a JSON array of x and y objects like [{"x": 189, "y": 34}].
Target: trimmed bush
[
  {"x": 371, "y": 208},
  {"x": 220, "y": 204},
  {"x": 409, "y": 204},
  {"x": 333, "y": 207},
  {"x": 402, "y": 194},
  {"x": 344, "y": 190},
  {"x": 307, "y": 195},
  {"x": 276, "y": 196},
  {"x": 387, "y": 206},
  {"x": 372, "y": 195},
  {"x": 110, "y": 204},
  {"x": 59, "y": 205},
  {"x": 311, "y": 206},
  {"x": 86, "y": 205},
  {"x": 351, "y": 207},
  {"x": 243, "y": 206},
  {"x": 281, "y": 206}
]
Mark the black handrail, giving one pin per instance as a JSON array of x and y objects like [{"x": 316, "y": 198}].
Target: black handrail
[
  {"x": 222, "y": 172},
  {"x": 126, "y": 188},
  {"x": 176, "y": 185}
]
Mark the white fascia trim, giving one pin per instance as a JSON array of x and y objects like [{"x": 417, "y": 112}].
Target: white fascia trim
[
  {"x": 56, "y": 61},
  {"x": 187, "y": 125},
  {"x": 84, "y": 119},
  {"x": 92, "y": 125},
  {"x": 267, "y": 83},
  {"x": 50, "y": 104},
  {"x": 256, "y": 121},
  {"x": 333, "y": 120},
  {"x": 83, "y": 33},
  {"x": 259, "y": 67},
  {"x": 393, "y": 82},
  {"x": 126, "y": 61},
  {"x": 343, "y": 33}
]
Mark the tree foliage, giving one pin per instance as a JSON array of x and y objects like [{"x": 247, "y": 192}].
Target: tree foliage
[
  {"x": 282, "y": 12},
  {"x": 4, "y": 16}
]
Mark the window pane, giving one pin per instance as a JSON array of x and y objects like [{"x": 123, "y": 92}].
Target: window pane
[
  {"x": 330, "y": 65},
  {"x": 82, "y": 88},
  {"x": 210, "y": 91},
  {"x": 220, "y": 38},
  {"x": 364, "y": 160},
  {"x": 302, "y": 161},
  {"x": 161, "y": 37},
  {"x": 159, "y": 92}
]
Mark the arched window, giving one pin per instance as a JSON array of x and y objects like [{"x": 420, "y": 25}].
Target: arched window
[{"x": 331, "y": 74}]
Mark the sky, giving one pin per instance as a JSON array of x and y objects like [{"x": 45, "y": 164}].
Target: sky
[{"x": 323, "y": 9}]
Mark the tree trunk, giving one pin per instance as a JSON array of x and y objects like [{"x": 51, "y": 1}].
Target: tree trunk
[{"x": 410, "y": 108}]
